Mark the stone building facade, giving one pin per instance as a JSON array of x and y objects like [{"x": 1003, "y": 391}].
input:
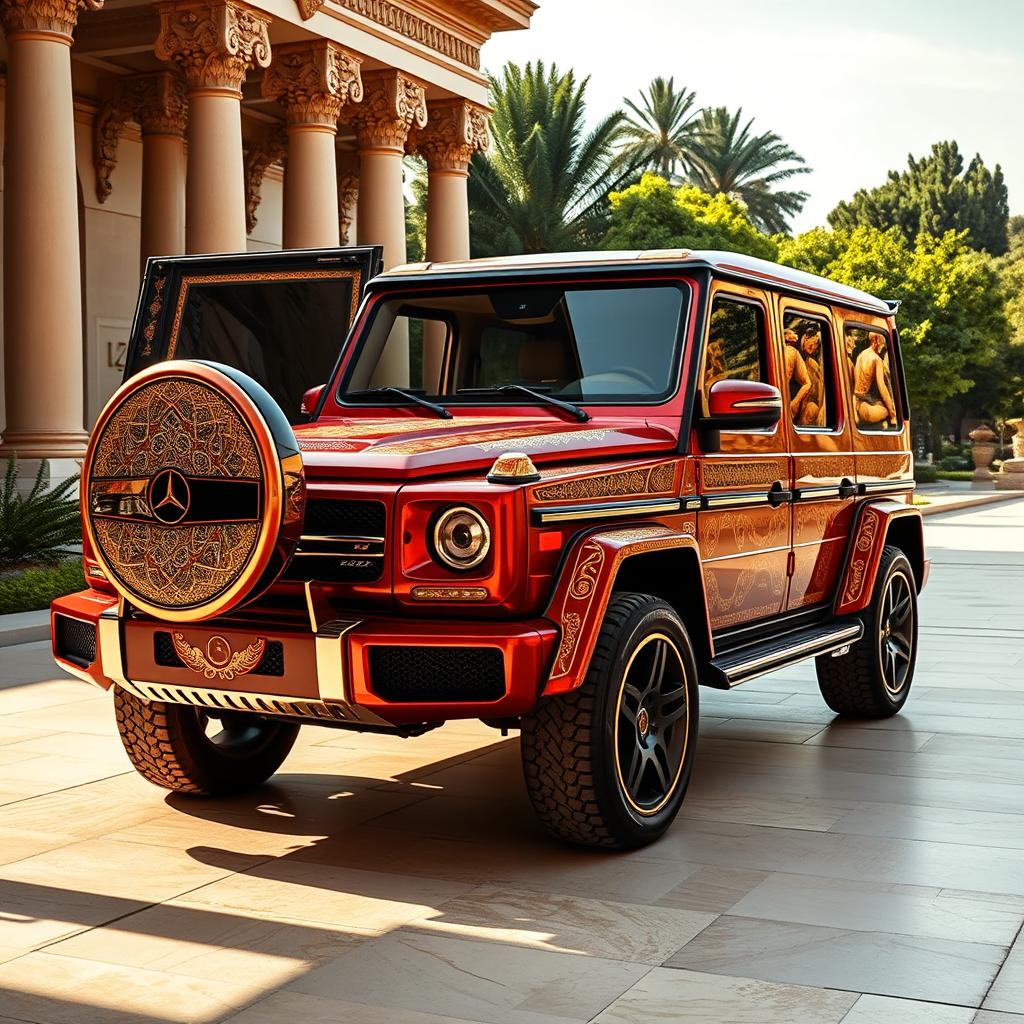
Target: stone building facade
[{"x": 136, "y": 129}]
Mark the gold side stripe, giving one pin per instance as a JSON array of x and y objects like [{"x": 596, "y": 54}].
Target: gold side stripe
[{"x": 609, "y": 511}]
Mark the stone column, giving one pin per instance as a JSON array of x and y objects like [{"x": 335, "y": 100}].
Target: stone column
[
  {"x": 455, "y": 130},
  {"x": 312, "y": 81},
  {"x": 214, "y": 43},
  {"x": 43, "y": 366},
  {"x": 348, "y": 195},
  {"x": 392, "y": 104}
]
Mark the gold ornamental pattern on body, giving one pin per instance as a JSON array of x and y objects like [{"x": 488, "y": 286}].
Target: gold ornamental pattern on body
[{"x": 183, "y": 492}]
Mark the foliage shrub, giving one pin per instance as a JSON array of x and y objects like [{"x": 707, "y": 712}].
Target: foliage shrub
[
  {"x": 925, "y": 474},
  {"x": 39, "y": 526},
  {"x": 36, "y": 588}
]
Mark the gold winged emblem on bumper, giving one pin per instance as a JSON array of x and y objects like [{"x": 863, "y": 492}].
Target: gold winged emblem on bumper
[{"x": 218, "y": 661}]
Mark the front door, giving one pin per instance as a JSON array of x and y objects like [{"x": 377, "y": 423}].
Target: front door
[
  {"x": 744, "y": 526},
  {"x": 280, "y": 317},
  {"x": 819, "y": 437}
]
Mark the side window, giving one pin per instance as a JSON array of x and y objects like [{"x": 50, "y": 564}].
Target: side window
[
  {"x": 809, "y": 376},
  {"x": 871, "y": 379},
  {"x": 736, "y": 342}
]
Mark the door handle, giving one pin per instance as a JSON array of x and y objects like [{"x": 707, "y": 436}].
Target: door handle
[
  {"x": 779, "y": 495},
  {"x": 847, "y": 489}
]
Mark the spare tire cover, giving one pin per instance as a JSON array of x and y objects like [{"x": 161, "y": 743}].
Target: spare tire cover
[{"x": 193, "y": 492}]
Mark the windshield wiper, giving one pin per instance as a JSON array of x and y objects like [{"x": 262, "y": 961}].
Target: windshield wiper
[
  {"x": 566, "y": 407},
  {"x": 387, "y": 389}
]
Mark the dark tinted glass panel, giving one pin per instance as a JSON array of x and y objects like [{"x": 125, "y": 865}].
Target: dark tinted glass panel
[
  {"x": 871, "y": 379},
  {"x": 736, "y": 342},
  {"x": 285, "y": 334},
  {"x": 811, "y": 386}
]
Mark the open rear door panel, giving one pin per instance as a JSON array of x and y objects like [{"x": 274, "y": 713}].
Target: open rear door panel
[{"x": 280, "y": 317}]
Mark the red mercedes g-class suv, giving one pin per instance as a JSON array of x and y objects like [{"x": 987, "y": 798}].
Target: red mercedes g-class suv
[{"x": 550, "y": 492}]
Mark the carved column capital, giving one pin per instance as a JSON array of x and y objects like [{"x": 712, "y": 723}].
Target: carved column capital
[
  {"x": 156, "y": 102},
  {"x": 49, "y": 17},
  {"x": 347, "y": 161},
  {"x": 213, "y": 42},
  {"x": 269, "y": 147},
  {"x": 455, "y": 130},
  {"x": 393, "y": 103},
  {"x": 313, "y": 81}
]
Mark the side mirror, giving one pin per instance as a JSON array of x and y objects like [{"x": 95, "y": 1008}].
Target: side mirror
[
  {"x": 739, "y": 405},
  {"x": 311, "y": 399}
]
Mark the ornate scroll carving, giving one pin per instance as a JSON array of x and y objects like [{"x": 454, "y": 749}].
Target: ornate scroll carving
[
  {"x": 214, "y": 42},
  {"x": 456, "y": 129},
  {"x": 348, "y": 192},
  {"x": 392, "y": 104},
  {"x": 392, "y": 16},
  {"x": 307, "y": 8},
  {"x": 313, "y": 81},
  {"x": 54, "y": 16},
  {"x": 156, "y": 102},
  {"x": 653, "y": 479},
  {"x": 269, "y": 148}
]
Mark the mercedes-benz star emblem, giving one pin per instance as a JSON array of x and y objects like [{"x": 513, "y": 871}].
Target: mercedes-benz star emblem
[{"x": 169, "y": 496}]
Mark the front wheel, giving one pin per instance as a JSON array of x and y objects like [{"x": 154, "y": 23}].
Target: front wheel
[
  {"x": 193, "y": 750},
  {"x": 872, "y": 680},
  {"x": 609, "y": 763}
]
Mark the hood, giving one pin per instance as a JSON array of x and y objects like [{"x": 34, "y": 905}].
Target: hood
[{"x": 415, "y": 446}]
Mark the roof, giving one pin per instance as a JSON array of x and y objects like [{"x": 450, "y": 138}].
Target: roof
[{"x": 733, "y": 264}]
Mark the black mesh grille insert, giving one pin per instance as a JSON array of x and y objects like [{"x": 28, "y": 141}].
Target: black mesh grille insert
[
  {"x": 75, "y": 640},
  {"x": 271, "y": 664},
  {"x": 437, "y": 674},
  {"x": 348, "y": 518}
]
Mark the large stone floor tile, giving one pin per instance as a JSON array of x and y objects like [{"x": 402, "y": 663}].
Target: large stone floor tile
[
  {"x": 886, "y": 1010},
  {"x": 569, "y": 924},
  {"x": 781, "y": 810},
  {"x": 1007, "y": 993},
  {"x": 855, "y": 735},
  {"x": 938, "y": 970},
  {"x": 972, "y": 746},
  {"x": 712, "y": 889},
  {"x": 297, "y": 1006},
  {"x": 749, "y": 727},
  {"x": 874, "y": 907},
  {"x": 341, "y": 897},
  {"x": 477, "y": 980},
  {"x": 198, "y": 941},
  {"x": 47, "y": 989},
  {"x": 674, "y": 996},
  {"x": 19, "y": 844}
]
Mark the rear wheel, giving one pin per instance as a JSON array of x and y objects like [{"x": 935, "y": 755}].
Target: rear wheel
[
  {"x": 192, "y": 750},
  {"x": 609, "y": 763},
  {"x": 873, "y": 679}
]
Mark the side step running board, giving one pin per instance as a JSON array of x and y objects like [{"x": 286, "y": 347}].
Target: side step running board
[{"x": 737, "y": 666}]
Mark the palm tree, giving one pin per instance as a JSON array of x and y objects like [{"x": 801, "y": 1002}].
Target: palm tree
[
  {"x": 544, "y": 185},
  {"x": 658, "y": 132},
  {"x": 731, "y": 159}
]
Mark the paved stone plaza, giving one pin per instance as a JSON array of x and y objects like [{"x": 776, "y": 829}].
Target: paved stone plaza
[{"x": 381, "y": 881}]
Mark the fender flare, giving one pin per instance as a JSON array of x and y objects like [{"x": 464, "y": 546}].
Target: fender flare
[
  {"x": 585, "y": 586},
  {"x": 874, "y": 526}
]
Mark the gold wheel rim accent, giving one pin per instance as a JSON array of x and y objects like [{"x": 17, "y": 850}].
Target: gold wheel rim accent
[
  {"x": 242, "y": 555},
  {"x": 623, "y": 787}
]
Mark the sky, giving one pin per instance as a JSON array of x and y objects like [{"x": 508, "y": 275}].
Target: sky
[{"x": 852, "y": 87}]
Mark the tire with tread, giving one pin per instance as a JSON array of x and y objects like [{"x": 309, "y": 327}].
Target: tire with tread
[
  {"x": 167, "y": 745},
  {"x": 567, "y": 747},
  {"x": 853, "y": 685}
]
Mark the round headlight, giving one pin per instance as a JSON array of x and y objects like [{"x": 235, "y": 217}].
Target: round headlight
[{"x": 462, "y": 538}]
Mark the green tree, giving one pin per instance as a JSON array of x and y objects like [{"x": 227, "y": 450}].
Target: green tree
[
  {"x": 658, "y": 132},
  {"x": 654, "y": 215},
  {"x": 934, "y": 195},
  {"x": 952, "y": 320},
  {"x": 544, "y": 185},
  {"x": 728, "y": 157}
]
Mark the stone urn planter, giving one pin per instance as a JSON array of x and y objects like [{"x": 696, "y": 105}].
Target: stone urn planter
[
  {"x": 983, "y": 451},
  {"x": 1011, "y": 478}
]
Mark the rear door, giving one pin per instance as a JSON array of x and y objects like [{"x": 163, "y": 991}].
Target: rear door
[
  {"x": 280, "y": 317},
  {"x": 744, "y": 527},
  {"x": 819, "y": 437}
]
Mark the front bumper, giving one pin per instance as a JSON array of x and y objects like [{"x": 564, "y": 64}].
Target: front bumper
[{"x": 374, "y": 671}]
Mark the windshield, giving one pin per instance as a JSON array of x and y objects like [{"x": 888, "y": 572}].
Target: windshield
[{"x": 610, "y": 343}]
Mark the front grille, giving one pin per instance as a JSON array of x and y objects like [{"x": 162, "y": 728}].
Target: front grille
[
  {"x": 74, "y": 640},
  {"x": 436, "y": 675},
  {"x": 345, "y": 518},
  {"x": 342, "y": 542},
  {"x": 271, "y": 664}
]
